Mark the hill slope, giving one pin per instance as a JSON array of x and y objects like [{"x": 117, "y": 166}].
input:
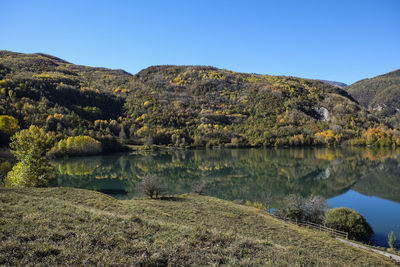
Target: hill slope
[
  {"x": 381, "y": 95},
  {"x": 59, "y": 226},
  {"x": 176, "y": 105},
  {"x": 220, "y": 106}
]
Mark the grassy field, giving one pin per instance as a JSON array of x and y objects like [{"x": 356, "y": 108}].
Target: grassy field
[{"x": 64, "y": 226}]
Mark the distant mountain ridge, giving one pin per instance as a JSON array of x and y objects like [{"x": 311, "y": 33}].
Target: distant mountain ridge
[
  {"x": 381, "y": 95},
  {"x": 338, "y": 84}
]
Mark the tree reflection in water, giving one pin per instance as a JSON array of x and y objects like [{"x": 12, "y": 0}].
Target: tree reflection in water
[{"x": 242, "y": 174}]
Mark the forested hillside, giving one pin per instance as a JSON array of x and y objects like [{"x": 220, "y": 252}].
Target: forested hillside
[
  {"x": 193, "y": 106},
  {"x": 63, "y": 98},
  {"x": 381, "y": 95}
]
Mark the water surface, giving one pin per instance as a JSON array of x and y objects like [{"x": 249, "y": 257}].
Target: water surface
[{"x": 367, "y": 180}]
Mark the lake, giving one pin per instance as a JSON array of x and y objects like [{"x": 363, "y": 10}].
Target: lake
[{"x": 367, "y": 180}]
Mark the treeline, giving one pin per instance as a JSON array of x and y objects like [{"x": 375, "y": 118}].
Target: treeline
[{"x": 77, "y": 146}]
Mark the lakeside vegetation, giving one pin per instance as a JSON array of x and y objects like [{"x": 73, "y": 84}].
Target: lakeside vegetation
[{"x": 79, "y": 227}]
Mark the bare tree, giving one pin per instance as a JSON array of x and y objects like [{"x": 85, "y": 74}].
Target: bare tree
[
  {"x": 311, "y": 209},
  {"x": 314, "y": 209},
  {"x": 153, "y": 186},
  {"x": 198, "y": 186},
  {"x": 266, "y": 198},
  {"x": 294, "y": 201}
]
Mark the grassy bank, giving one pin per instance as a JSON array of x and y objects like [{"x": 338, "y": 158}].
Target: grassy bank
[{"x": 63, "y": 226}]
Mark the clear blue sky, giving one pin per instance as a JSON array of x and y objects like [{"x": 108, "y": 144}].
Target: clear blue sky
[{"x": 322, "y": 39}]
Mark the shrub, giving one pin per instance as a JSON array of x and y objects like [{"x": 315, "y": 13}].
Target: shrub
[
  {"x": 152, "y": 186},
  {"x": 378, "y": 137},
  {"x": 294, "y": 214},
  {"x": 348, "y": 220}
]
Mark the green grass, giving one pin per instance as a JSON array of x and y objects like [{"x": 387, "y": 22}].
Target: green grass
[{"x": 64, "y": 226}]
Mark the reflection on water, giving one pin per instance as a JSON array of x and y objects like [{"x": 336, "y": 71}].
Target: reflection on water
[{"x": 254, "y": 174}]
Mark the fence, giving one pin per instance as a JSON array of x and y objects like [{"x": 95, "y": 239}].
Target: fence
[{"x": 316, "y": 226}]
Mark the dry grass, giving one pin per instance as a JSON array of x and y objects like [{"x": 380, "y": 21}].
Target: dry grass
[{"x": 63, "y": 226}]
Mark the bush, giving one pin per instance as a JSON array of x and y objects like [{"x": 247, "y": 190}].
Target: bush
[
  {"x": 294, "y": 214},
  {"x": 152, "y": 186},
  {"x": 348, "y": 220}
]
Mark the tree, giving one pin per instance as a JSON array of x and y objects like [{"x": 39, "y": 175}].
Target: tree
[
  {"x": 198, "y": 187},
  {"x": 33, "y": 141},
  {"x": 30, "y": 147},
  {"x": 314, "y": 209},
  {"x": 152, "y": 185},
  {"x": 29, "y": 172},
  {"x": 77, "y": 145},
  {"x": 122, "y": 134},
  {"x": 8, "y": 126},
  {"x": 348, "y": 220},
  {"x": 310, "y": 209},
  {"x": 266, "y": 198}
]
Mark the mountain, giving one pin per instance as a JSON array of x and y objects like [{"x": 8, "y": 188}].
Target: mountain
[
  {"x": 247, "y": 108},
  {"x": 183, "y": 106},
  {"x": 338, "y": 84},
  {"x": 381, "y": 95}
]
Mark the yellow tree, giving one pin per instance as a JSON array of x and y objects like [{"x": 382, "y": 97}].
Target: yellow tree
[
  {"x": 8, "y": 125},
  {"x": 30, "y": 146}
]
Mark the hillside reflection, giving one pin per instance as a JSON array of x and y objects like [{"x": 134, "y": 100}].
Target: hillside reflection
[{"x": 242, "y": 174}]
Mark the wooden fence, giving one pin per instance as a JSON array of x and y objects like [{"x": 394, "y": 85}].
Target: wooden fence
[{"x": 316, "y": 226}]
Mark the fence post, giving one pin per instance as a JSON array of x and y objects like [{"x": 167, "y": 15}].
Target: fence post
[{"x": 347, "y": 235}]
